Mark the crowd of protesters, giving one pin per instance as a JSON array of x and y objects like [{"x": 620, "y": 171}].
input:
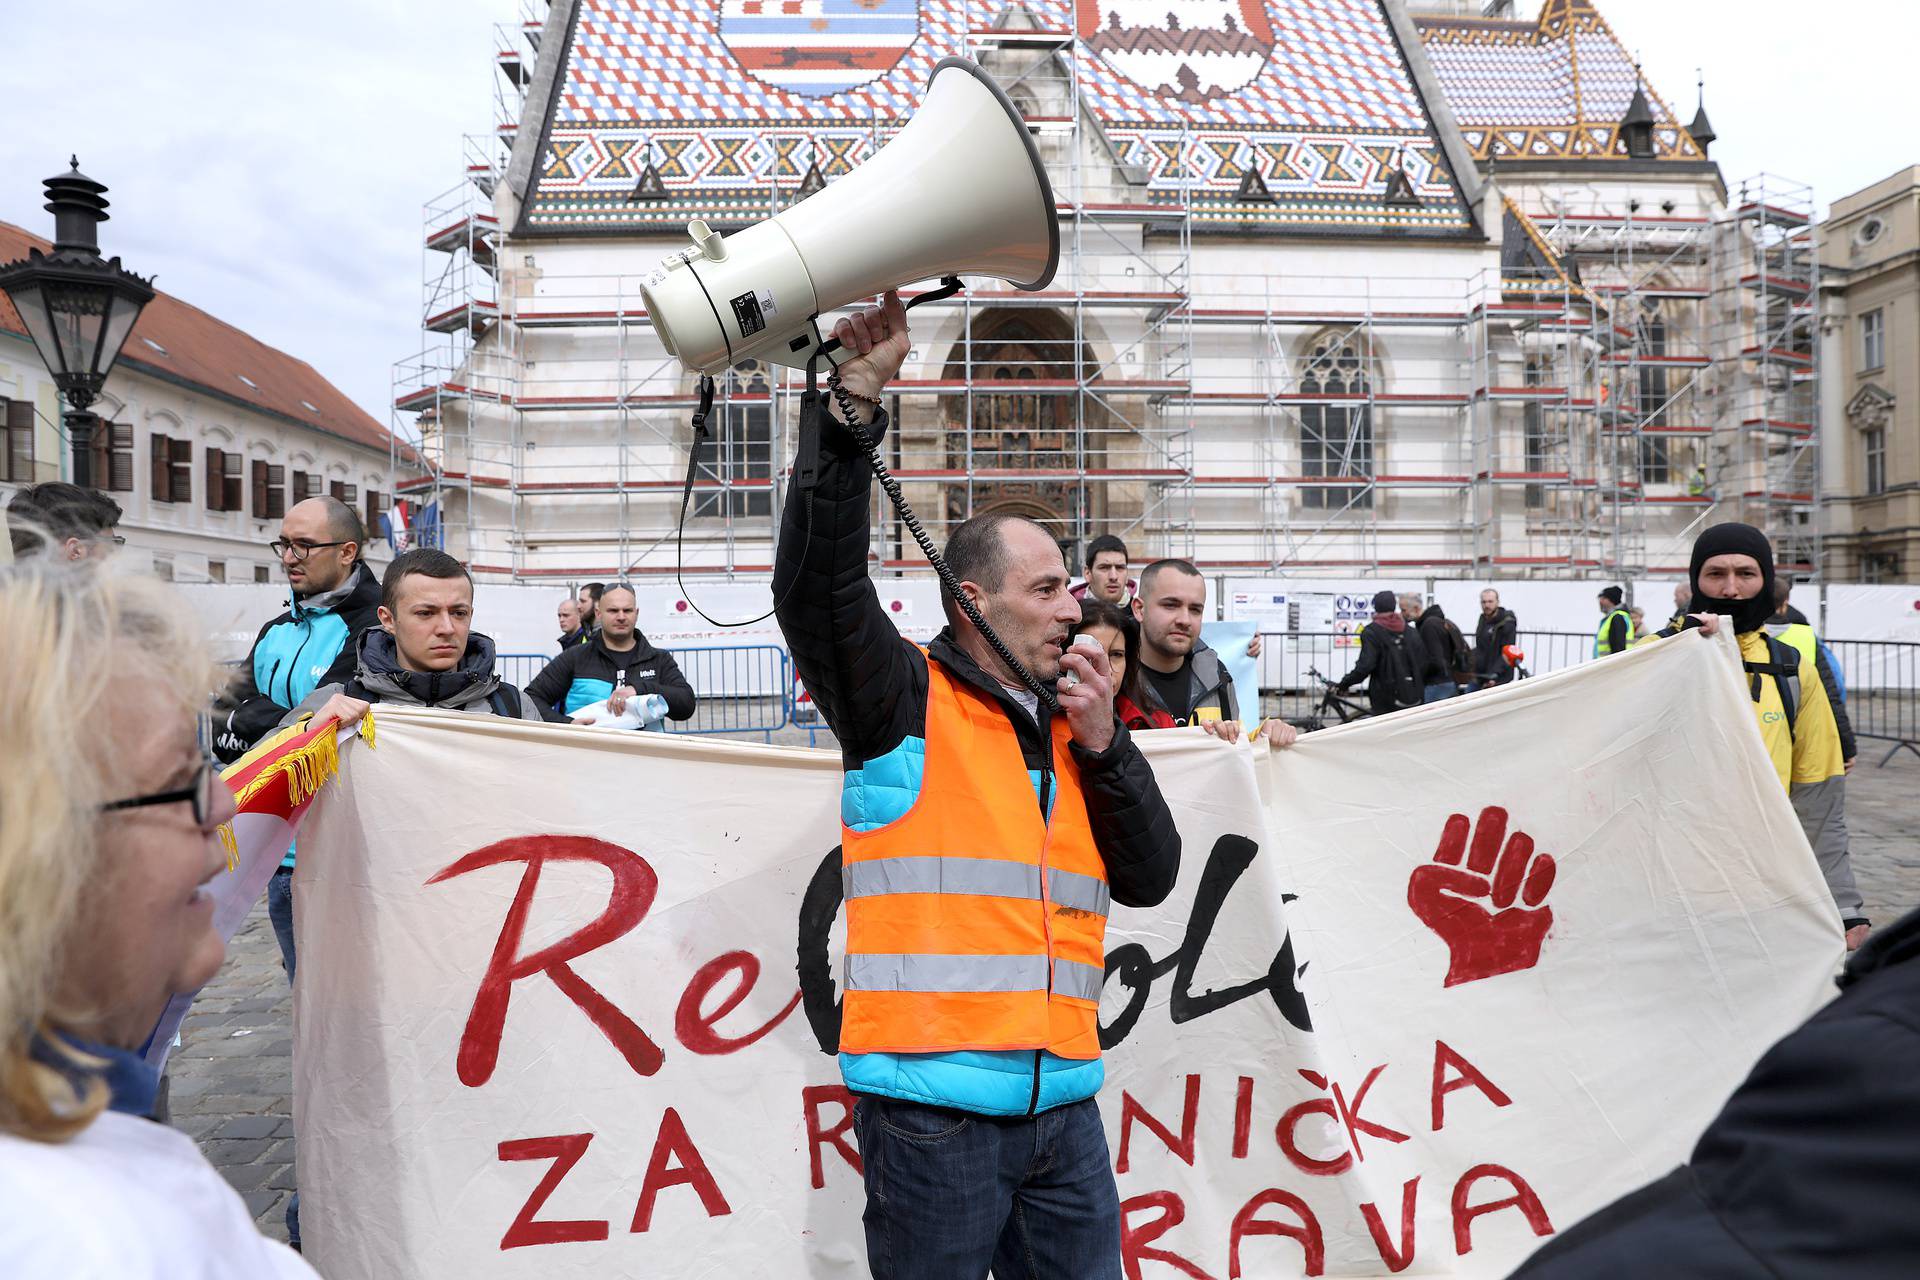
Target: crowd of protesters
[{"x": 95, "y": 838}]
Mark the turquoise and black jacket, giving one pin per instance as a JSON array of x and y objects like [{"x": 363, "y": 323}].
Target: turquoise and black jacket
[
  {"x": 588, "y": 673},
  {"x": 309, "y": 645},
  {"x": 870, "y": 684}
]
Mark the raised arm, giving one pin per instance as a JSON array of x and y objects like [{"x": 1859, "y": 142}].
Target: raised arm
[{"x": 863, "y": 676}]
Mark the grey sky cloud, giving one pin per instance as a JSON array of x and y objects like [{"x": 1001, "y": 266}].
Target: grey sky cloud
[{"x": 269, "y": 161}]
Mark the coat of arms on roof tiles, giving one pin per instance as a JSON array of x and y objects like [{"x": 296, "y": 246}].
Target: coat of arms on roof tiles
[
  {"x": 1189, "y": 50},
  {"x": 817, "y": 48}
]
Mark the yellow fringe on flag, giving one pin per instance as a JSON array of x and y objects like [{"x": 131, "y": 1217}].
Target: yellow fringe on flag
[
  {"x": 305, "y": 770},
  {"x": 366, "y": 728}
]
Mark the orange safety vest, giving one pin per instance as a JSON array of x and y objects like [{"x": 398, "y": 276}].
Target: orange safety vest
[{"x": 972, "y": 921}]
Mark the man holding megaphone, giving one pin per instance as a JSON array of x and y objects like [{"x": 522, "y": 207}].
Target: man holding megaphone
[{"x": 992, "y": 809}]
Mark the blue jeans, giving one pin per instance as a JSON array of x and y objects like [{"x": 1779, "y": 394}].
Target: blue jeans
[
  {"x": 1435, "y": 692},
  {"x": 950, "y": 1193},
  {"x": 280, "y": 913}
]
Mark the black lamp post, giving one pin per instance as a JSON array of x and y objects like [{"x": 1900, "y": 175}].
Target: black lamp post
[{"x": 78, "y": 307}]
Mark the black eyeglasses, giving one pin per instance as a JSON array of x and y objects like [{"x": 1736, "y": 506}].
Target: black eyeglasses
[
  {"x": 301, "y": 550},
  {"x": 199, "y": 792}
]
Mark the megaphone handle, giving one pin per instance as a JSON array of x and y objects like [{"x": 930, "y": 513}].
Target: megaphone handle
[{"x": 949, "y": 285}]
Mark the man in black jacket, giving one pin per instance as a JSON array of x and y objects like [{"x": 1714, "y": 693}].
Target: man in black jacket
[
  {"x": 1497, "y": 629},
  {"x": 1808, "y": 1169},
  {"x": 614, "y": 667},
  {"x": 1429, "y": 622},
  {"x": 1392, "y": 660},
  {"x": 991, "y": 1144}
]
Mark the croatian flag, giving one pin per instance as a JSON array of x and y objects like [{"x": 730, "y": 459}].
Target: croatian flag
[
  {"x": 394, "y": 526},
  {"x": 273, "y": 785},
  {"x": 818, "y": 47}
]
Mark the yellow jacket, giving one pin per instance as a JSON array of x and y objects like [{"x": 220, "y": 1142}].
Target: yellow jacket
[{"x": 1809, "y": 752}]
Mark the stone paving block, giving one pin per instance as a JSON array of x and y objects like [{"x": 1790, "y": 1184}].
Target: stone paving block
[
  {"x": 248, "y": 1177},
  {"x": 226, "y": 1153},
  {"x": 265, "y": 1203},
  {"x": 282, "y": 1179},
  {"x": 249, "y": 1127}
]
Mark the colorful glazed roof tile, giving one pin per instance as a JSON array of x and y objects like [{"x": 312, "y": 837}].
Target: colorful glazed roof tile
[
  {"x": 1554, "y": 89},
  {"x": 727, "y": 101}
]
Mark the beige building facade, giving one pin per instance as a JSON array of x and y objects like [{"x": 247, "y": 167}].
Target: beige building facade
[
  {"x": 210, "y": 436},
  {"x": 1870, "y": 328}
]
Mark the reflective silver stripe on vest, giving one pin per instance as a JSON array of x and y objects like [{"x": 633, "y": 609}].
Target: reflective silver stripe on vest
[
  {"x": 986, "y": 877},
  {"x": 1071, "y": 978},
  {"x": 890, "y": 972},
  {"x": 1085, "y": 893}
]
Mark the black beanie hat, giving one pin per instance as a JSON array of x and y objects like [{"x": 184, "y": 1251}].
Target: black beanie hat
[
  {"x": 1613, "y": 595},
  {"x": 1385, "y": 602},
  {"x": 1734, "y": 538}
]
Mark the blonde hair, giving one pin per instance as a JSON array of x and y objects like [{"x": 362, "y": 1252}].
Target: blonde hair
[{"x": 68, "y": 631}]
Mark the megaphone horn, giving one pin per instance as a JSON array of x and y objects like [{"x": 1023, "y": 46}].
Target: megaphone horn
[{"x": 961, "y": 190}]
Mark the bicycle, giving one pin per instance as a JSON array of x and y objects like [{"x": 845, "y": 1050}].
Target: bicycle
[{"x": 1333, "y": 702}]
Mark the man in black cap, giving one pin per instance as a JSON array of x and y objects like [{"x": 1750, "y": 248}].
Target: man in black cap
[
  {"x": 1732, "y": 577},
  {"x": 1392, "y": 660},
  {"x": 1616, "y": 624}
]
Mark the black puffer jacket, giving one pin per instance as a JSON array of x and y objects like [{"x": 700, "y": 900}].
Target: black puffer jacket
[
  {"x": 1490, "y": 639},
  {"x": 871, "y": 684},
  {"x": 1807, "y": 1172}
]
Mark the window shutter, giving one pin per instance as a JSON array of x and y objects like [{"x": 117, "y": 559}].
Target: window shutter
[
  {"x": 119, "y": 472},
  {"x": 259, "y": 489},
  {"x": 182, "y": 470},
  {"x": 159, "y": 468},
  {"x": 18, "y": 463},
  {"x": 216, "y": 491}
]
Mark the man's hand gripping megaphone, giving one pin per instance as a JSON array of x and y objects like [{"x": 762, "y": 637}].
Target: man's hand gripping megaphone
[{"x": 878, "y": 338}]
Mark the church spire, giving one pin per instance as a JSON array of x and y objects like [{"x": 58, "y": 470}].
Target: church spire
[
  {"x": 1702, "y": 128},
  {"x": 1636, "y": 127}
]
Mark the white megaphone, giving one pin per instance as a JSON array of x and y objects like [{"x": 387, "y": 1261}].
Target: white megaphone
[{"x": 961, "y": 190}]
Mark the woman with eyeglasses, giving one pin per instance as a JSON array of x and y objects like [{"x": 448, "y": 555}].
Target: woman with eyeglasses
[{"x": 109, "y": 808}]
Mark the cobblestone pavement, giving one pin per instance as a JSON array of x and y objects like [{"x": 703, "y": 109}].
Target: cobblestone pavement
[{"x": 231, "y": 1078}]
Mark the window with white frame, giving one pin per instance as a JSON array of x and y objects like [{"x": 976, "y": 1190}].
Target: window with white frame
[
  {"x": 1873, "y": 446},
  {"x": 1873, "y": 340}
]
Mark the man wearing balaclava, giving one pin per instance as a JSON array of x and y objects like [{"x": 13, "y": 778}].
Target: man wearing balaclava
[{"x": 1732, "y": 577}]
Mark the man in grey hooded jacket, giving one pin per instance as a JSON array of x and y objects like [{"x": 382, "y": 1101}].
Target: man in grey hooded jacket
[{"x": 424, "y": 652}]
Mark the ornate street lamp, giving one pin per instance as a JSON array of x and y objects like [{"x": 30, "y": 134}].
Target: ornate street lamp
[{"x": 77, "y": 306}]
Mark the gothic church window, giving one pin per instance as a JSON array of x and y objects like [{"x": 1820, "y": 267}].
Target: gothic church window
[{"x": 1336, "y": 434}]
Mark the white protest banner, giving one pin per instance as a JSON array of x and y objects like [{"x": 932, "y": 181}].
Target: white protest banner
[{"x": 563, "y": 993}]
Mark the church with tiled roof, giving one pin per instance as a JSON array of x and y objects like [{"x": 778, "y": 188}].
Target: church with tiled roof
[{"x": 1347, "y": 286}]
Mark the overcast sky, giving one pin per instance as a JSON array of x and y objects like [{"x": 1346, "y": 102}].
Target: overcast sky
[{"x": 269, "y": 161}]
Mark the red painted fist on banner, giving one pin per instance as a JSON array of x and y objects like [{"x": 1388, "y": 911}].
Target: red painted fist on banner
[{"x": 1474, "y": 908}]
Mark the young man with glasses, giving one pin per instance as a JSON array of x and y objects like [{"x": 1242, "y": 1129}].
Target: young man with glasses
[{"x": 334, "y": 598}]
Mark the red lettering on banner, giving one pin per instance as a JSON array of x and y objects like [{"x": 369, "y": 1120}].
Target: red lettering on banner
[
  {"x": 634, "y": 884},
  {"x": 1444, "y": 1058},
  {"x": 1522, "y": 1197},
  {"x": 674, "y": 1144},
  {"x": 1181, "y": 1147},
  {"x": 1134, "y": 1240},
  {"x": 1357, "y": 1124},
  {"x": 565, "y": 1150},
  {"x": 1242, "y": 1117},
  {"x": 1400, "y": 1258},
  {"x": 1306, "y": 1231},
  {"x": 695, "y": 1028},
  {"x": 1283, "y": 1133},
  {"x": 811, "y": 1099}
]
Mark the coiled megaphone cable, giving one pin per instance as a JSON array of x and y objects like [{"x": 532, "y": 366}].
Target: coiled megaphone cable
[{"x": 949, "y": 581}]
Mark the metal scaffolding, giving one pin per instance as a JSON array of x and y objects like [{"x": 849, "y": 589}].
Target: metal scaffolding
[{"x": 1577, "y": 410}]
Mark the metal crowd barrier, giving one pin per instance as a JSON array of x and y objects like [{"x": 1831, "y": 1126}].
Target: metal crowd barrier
[
  {"x": 1883, "y": 690},
  {"x": 742, "y": 689},
  {"x": 1288, "y": 660}
]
